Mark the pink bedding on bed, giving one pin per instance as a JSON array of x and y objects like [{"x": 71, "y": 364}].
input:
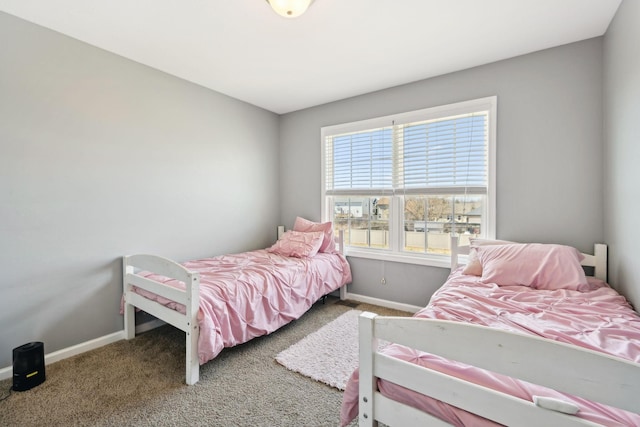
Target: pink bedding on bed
[
  {"x": 599, "y": 319},
  {"x": 246, "y": 295}
]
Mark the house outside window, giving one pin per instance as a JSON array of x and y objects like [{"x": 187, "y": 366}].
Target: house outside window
[{"x": 399, "y": 186}]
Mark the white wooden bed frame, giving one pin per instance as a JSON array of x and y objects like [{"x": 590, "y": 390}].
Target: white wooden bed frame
[
  {"x": 190, "y": 298},
  {"x": 565, "y": 368}
]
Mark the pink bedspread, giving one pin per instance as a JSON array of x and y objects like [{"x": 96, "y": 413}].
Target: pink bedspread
[
  {"x": 247, "y": 295},
  {"x": 599, "y": 319}
]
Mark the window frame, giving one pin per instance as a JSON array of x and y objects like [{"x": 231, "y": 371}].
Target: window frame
[{"x": 396, "y": 215}]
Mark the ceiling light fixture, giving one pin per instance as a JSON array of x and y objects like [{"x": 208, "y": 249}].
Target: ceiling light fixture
[{"x": 289, "y": 8}]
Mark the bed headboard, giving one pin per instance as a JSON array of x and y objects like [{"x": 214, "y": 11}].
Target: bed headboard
[{"x": 597, "y": 260}]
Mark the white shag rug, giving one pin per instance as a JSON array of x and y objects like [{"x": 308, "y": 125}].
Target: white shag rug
[{"x": 328, "y": 355}]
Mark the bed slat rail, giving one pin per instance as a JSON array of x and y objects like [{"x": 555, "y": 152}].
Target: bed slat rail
[
  {"x": 485, "y": 402},
  {"x": 160, "y": 289},
  {"x": 159, "y": 265},
  {"x": 172, "y": 317},
  {"x": 581, "y": 372}
]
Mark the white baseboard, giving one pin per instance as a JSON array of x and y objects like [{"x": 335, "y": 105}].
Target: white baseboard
[
  {"x": 383, "y": 303},
  {"x": 74, "y": 350}
]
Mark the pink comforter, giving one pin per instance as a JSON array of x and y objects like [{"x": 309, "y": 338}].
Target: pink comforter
[
  {"x": 250, "y": 294},
  {"x": 599, "y": 319}
]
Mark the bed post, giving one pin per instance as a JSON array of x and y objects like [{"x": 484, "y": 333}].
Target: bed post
[
  {"x": 600, "y": 268},
  {"x": 193, "y": 329},
  {"x": 454, "y": 251},
  {"x": 368, "y": 385},
  {"x": 343, "y": 289},
  {"x": 129, "y": 310},
  {"x": 341, "y": 241}
]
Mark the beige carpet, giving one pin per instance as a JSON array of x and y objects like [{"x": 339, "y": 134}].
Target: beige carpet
[{"x": 141, "y": 382}]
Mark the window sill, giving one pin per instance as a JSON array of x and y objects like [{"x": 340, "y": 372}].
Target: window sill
[{"x": 442, "y": 261}]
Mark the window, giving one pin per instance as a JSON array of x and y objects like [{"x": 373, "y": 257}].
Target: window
[{"x": 400, "y": 185}]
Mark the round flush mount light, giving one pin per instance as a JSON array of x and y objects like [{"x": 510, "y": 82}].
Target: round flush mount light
[{"x": 290, "y": 8}]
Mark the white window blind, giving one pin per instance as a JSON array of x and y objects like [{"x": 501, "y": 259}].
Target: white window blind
[
  {"x": 431, "y": 156},
  {"x": 360, "y": 162},
  {"x": 446, "y": 155}
]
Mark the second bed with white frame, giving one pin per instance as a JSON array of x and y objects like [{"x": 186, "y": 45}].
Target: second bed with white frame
[{"x": 566, "y": 368}]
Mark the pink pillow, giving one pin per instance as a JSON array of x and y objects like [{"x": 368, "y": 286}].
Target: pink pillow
[
  {"x": 473, "y": 266},
  {"x": 533, "y": 264},
  {"x": 328, "y": 243},
  {"x": 298, "y": 244}
]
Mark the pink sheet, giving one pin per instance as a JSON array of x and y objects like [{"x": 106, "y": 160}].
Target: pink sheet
[
  {"x": 243, "y": 296},
  {"x": 599, "y": 319}
]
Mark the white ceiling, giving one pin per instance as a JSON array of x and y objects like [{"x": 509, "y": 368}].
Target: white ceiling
[{"x": 338, "y": 49}]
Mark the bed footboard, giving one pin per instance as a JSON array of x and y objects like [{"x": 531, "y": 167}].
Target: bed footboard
[
  {"x": 574, "y": 370},
  {"x": 189, "y": 297}
]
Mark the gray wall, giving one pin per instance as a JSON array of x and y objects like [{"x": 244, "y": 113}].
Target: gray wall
[
  {"x": 549, "y": 154},
  {"x": 103, "y": 157},
  {"x": 622, "y": 148}
]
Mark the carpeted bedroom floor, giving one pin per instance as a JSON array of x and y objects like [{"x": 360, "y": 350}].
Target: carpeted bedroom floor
[{"x": 141, "y": 382}]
